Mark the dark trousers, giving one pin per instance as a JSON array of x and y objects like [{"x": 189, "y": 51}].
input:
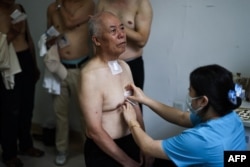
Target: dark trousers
[
  {"x": 137, "y": 69},
  {"x": 16, "y": 107},
  {"x": 163, "y": 163},
  {"x": 95, "y": 157}
]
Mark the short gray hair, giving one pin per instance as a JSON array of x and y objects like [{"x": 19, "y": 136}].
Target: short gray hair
[{"x": 95, "y": 23}]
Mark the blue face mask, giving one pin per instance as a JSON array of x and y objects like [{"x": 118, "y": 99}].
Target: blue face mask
[{"x": 189, "y": 104}]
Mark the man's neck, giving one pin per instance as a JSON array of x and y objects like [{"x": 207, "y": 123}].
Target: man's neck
[{"x": 106, "y": 58}]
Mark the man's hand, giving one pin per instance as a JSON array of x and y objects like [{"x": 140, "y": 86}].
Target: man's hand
[
  {"x": 15, "y": 30},
  {"x": 17, "y": 27},
  {"x": 51, "y": 41}
]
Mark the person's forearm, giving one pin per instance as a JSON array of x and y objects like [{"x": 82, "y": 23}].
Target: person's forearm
[
  {"x": 139, "y": 116},
  {"x": 72, "y": 21},
  {"x": 147, "y": 145},
  {"x": 65, "y": 15},
  {"x": 141, "y": 138},
  {"x": 168, "y": 113},
  {"x": 12, "y": 34},
  {"x": 135, "y": 37},
  {"x": 69, "y": 20}
]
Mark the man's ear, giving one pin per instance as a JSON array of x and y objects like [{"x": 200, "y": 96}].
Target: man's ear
[{"x": 96, "y": 41}]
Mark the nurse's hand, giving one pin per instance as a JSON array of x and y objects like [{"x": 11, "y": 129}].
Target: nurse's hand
[
  {"x": 128, "y": 112},
  {"x": 137, "y": 94}
]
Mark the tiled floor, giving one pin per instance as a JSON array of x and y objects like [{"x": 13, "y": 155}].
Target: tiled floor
[{"x": 76, "y": 157}]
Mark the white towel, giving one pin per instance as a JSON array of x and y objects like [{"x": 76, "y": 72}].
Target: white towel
[
  {"x": 53, "y": 63},
  {"x": 51, "y": 82},
  {"x": 4, "y": 52},
  {"x": 9, "y": 74},
  {"x": 42, "y": 45}
]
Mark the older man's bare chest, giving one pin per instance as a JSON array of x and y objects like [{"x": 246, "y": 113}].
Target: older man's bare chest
[{"x": 113, "y": 91}]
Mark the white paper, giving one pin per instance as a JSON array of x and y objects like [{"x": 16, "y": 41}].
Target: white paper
[{"x": 17, "y": 16}]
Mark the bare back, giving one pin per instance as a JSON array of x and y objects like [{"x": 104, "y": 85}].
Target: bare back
[
  {"x": 77, "y": 36},
  {"x": 136, "y": 15}
]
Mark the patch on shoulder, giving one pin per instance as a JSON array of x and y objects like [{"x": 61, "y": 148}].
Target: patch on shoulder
[{"x": 115, "y": 67}]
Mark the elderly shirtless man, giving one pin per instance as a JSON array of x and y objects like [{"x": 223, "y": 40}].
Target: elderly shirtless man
[
  {"x": 70, "y": 18},
  {"x": 102, "y": 93},
  {"x": 17, "y": 103},
  {"x": 136, "y": 15}
]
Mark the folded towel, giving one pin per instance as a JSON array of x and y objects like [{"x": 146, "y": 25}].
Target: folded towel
[
  {"x": 51, "y": 83},
  {"x": 53, "y": 63},
  {"x": 14, "y": 68},
  {"x": 4, "y": 52},
  {"x": 42, "y": 45}
]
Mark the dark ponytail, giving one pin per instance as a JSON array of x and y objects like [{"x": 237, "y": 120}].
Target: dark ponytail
[{"x": 215, "y": 82}]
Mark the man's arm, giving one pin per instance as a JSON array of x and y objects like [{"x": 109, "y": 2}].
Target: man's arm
[
  {"x": 99, "y": 6},
  {"x": 14, "y": 31},
  {"x": 51, "y": 8},
  {"x": 91, "y": 105},
  {"x": 52, "y": 12},
  {"x": 6, "y": 27},
  {"x": 80, "y": 16},
  {"x": 143, "y": 19},
  {"x": 145, "y": 142}
]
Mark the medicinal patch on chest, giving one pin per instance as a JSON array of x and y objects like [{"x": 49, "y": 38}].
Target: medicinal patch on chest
[
  {"x": 115, "y": 67},
  {"x": 128, "y": 93}
]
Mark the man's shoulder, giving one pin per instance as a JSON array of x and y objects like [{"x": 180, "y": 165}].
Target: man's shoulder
[
  {"x": 91, "y": 67},
  {"x": 124, "y": 64}
]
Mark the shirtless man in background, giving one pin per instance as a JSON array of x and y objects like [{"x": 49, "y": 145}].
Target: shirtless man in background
[
  {"x": 70, "y": 18},
  {"x": 136, "y": 15},
  {"x": 17, "y": 103},
  {"x": 102, "y": 92}
]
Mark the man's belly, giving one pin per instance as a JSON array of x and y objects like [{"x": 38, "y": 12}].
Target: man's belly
[
  {"x": 115, "y": 125},
  {"x": 73, "y": 53},
  {"x": 20, "y": 45},
  {"x": 74, "y": 46}
]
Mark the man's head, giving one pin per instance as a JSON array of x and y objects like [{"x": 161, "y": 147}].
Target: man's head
[{"x": 107, "y": 33}]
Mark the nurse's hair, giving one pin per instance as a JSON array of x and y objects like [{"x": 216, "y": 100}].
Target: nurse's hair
[{"x": 216, "y": 82}]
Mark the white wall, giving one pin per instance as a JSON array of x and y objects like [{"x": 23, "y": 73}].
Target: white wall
[
  {"x": 189, "y": 33},
  {"x": 185, "y": 34}
]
